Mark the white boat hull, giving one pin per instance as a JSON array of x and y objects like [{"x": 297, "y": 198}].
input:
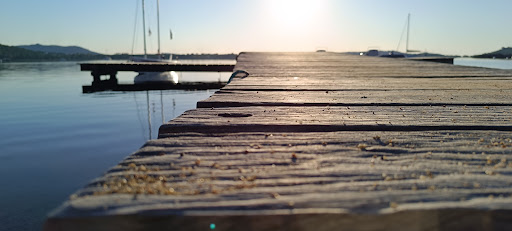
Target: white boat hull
[{"x": 152, "y": 77}]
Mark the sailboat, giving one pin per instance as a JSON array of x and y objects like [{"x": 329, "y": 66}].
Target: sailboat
[
  {"x": 392, "y": 54},
  {"x": 407, "y": 50},
  {"x": 152, "y": 77}
]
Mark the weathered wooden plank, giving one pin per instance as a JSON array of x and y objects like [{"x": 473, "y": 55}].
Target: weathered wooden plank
[
  {"x": 367, "y": 72},
  {"x": 191, "y": 178},
  {"x": 310, "y": 119},
  {"x": 378, "y": 84},
  {"x": 226, "y": 98}
]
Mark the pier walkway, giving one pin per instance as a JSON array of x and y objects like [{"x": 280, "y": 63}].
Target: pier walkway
[{"x": 320, "y": 141}]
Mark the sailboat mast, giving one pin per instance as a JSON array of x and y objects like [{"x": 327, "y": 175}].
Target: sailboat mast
[
  {"x": 144, "y": 29},
  {"x": 158, "y": 23},
  {"x": 408, "y": 24}
]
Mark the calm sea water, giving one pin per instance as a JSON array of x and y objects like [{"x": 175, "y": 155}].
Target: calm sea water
[
  {"x": 54, "y": 139},
  {"x": 489, "y": 63}
]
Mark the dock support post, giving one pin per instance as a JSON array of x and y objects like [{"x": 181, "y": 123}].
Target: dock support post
[
  {"x": 96, "y": 78},
  {"x": 113, "y": 78}
]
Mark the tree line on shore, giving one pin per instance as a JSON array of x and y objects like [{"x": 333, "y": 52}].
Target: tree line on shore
[
  {"x": 503, "y": 53},
  {"x": 17, "y": 54}
]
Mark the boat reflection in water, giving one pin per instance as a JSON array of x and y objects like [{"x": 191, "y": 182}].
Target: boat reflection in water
[{"x": 151, "y": 112}]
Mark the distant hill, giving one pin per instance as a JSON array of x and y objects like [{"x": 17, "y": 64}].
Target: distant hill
[
  {"x": 504, "y": 52},
  {"x": 68, "y": 50},
  {"x": 8, "y": 53},
  {"x": 37, "y": 53},
  {"x": 17, "y": 54}
]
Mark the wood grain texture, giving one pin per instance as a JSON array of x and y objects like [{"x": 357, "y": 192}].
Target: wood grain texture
[
  {"x": 226, "y": 98},
  {"x": 309, "y": 119},
  {"x": 350, "y": 174},
  {"x": 368, "y": 84}
]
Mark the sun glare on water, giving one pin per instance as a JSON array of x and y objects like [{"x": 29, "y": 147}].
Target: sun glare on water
[
  {"x": 295, "y": 13},
  {"x": 175, "y": 77}
]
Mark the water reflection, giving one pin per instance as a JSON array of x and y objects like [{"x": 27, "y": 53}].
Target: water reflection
[
  {"x": 54, "y": 139},
  {"x": 7, "y": 69},
  {"x": 489, "y": 63},
  {"x": 156, "y": 107}
]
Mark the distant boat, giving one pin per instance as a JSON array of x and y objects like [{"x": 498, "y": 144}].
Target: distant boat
[
  {"x": 392, "y": 54},
  {"x": 372, "y": 52},
  {"x": 407, "y": 50},
  {"x": 321, "y": 49},
  {"x": 152, "y": 77}
]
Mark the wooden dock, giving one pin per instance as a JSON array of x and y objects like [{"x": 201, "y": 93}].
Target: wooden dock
[
  {"x": 110, "y": 69},
  {"x": 320, "y": 141}
]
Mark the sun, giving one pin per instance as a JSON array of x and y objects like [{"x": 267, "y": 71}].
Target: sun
[{"x": 295, "y": 13}]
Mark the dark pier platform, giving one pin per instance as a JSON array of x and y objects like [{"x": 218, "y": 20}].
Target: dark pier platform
[
  {"x": 110, "y": 69},
  {"x": 320, "y": 141},
  {"x": 106, "y": 86},
  {"x": 437, "y": 59}
]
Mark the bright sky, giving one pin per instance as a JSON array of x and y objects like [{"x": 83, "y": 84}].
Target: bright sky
[{"x": 453, "y": 27}]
